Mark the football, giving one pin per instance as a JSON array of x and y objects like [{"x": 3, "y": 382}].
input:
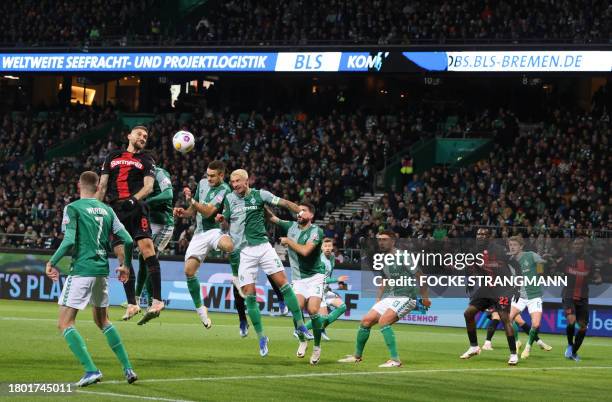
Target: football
[{"x": 183, "y": 141}]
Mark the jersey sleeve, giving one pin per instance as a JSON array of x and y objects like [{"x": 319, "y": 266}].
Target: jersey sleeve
[
  {"x": 149, "y": 166},
  {"x": 196, "y": 196},
  {"x": 227, "y": 213},
  {"x": 163, "y": 180},
  {"x": 69, "y": 220},
  {"x": 117, "y": 226},
  {"x": 217, "y": 202},
  {"x": 284, "y": 225},
  {"x": 268, "y": 197},
  {"x": 538, "y": 258},
  {"x": 316, "y": 236}
]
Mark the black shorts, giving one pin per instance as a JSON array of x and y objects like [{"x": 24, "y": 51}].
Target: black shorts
[
  {"x": 136, "y": 221},
  {"x": 500, "y": 304},
  {"x": 577, "y": 307}
]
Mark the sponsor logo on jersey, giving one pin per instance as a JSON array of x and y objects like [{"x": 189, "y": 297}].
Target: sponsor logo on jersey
[{"x": 126, "y": 162}]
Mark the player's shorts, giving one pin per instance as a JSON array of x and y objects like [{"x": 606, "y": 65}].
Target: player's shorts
[
  {"x": 577, "y": 307},
  {"x": 400, "y": 305},
  {"x": 136, "y": 221},
  {"x": 78, "y": 291},
  {"x": 533, "y": 305},
  {"x": 254, "y": 257},
  {"x": 162, "y": 234},
  {"x": 201, "y": 243},
  {"x": 328, "y": 297},
  {"x": 500, "y": 304},
  {"x": 310, "y": 287}
]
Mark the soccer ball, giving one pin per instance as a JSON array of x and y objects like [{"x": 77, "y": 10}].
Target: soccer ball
[{"x": 183, "y": 141}]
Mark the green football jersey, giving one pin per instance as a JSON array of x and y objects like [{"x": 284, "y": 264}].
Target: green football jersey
[
  {"x": 304, "y": 267},
  {"x": 528, "y": 261},
  {"x": 394, "y": 271},
  {"x": 329, "y": 263},
  {"x": 205, "y": 194},
  {"x": 161, "y": 205},
  {"x": 87, "y": 225},
  {"x": 246, "y": 218}
]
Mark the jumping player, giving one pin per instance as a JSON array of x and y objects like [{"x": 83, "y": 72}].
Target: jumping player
[
  {"x": 127, "y": 180},
  {"x": 243, "y": 210},
  {"x": 205, "y": 203}
]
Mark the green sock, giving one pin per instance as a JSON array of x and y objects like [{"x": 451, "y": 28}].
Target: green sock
[
  {"x": 292, "y": 303},
  {"x": 309, "y": 324},
  {"x": 363, "y": 334},
  {"x": 334, "y": 315},
  {"x": 389, "y": 336},
  {"x": 77, "y": 345},
  {"x": 317, "y": 323},
  {"x": 141, "y": 278},
  {"x": 254, "y": 314},
  {"x": 516, "y": 331},
  {"x": 533, "y": 333},
  {"x": 114, "y": 341},
  {"x": 193, "y": 284}
]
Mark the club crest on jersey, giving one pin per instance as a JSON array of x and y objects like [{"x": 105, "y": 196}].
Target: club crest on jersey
[{"x": 252, "y": 201}]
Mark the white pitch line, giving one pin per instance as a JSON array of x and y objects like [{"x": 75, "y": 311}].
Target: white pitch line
[
  {"x": 361, "y": 373},
  {"x": 606, "y": 345},
  {"x": 149, "y": 398}
]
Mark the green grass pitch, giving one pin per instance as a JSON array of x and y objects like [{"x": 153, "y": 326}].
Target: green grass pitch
[{"x": 177, "y": 359}]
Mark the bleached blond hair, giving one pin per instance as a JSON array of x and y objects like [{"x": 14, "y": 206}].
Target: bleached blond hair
[{"x": 241, "y": 173}]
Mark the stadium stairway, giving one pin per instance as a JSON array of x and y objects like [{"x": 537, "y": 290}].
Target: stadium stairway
[{"x": 365, "y": 201}]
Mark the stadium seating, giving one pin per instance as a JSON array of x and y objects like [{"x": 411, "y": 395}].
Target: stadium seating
[
  {"x": 117, "y": 23},
  {"x": 550, "y": 179}
]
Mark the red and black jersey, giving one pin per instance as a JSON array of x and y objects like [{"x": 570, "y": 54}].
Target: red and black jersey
[
  {"x": 126, "y": 172},
  {"x": 579, "y": 272}
]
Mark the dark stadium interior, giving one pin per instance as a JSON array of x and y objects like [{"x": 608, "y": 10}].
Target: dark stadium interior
[
  {"x": 357, "y": 138},
  {"x": 327, "y": 139}
]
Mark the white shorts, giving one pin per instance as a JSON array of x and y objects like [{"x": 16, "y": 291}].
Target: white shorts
[
  {"x": 162, "y": 234},
  {"x": 254, "y": 257},
  {"x": 202, "y": 243},
  {"x": 328, "y": 298},
  {"x": 309, "y": 287},
  {"x": 78, "y": 291},
  {"x": 533, "y": 305},
  {"x": 400, "y": 305}
]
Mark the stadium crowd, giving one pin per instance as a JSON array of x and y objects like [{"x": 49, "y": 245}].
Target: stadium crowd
[
  {"x": 117, "y": 23},
  {"x": 324, "y": 159},
  {"x": 551, "y": 180},
  {"x": 550, "y": 177}
]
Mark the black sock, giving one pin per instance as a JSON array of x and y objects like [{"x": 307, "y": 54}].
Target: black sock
[
  {"x": 511, "y": 344},
  {"x": 277, "y": 291},
  {"x": 491, "y": 329},
  {"x": 569, "y": 331},
  {"x": 579, "y": 338},
  {"x": 472, "y": 337},
  {"x": 154, "y": 276},
  {"x": 527, "y": 328},
  {"x": 240, "y": 307},
  {"x": 130, "y": 287}
]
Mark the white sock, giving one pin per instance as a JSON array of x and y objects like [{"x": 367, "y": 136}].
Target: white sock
[{"x": 202, "y": 312}]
